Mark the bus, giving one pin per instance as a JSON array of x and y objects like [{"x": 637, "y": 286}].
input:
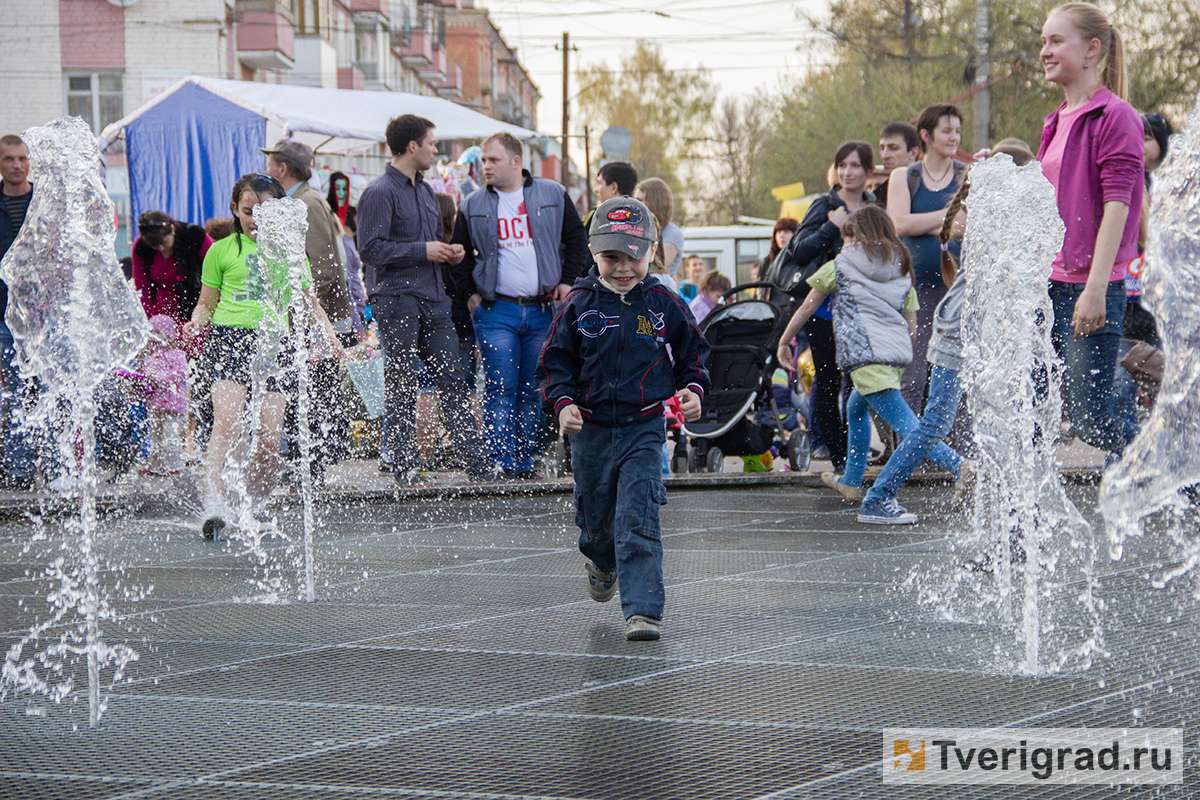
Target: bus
[{"x": 733, "y": 250}]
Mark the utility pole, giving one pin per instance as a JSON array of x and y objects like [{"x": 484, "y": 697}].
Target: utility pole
[
  {"x": 566, "y": 115},
  {"x": 587, "y": 163},
  {"x": 981, "y": 114},
  {"x": 908, "y": 31}
]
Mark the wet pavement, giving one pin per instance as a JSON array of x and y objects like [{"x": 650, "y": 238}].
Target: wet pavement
[{"x": 453, "y": 652}]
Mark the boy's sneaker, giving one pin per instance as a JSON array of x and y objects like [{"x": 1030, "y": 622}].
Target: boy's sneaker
[
  {"x": 642, "y": 629},
  {"x": 851, "y": 494},
  {"x": 965, "y": 483},
  {"x": 885, "y": 512},
  {"x": 601, "y": 585}
]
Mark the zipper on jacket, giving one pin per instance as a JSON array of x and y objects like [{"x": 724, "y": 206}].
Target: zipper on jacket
[{"x": 616, "y": 383}]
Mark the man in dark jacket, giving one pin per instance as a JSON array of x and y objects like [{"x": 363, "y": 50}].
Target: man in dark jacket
[
  {"x": 523, "y": 248},
  {"x": 399, "y": 234},
  {"x": 16, "y": 461}
]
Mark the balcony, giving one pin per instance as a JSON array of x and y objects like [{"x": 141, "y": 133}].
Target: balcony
[
  {"x": 419, "y": 53},
  {"x": 452, "y": 88},
  {"x": 380, "y": 7},
  {"x": 435, "y": 73},
  {"x": 266, "y": 40},
  {"x": 350, "y": 78}
]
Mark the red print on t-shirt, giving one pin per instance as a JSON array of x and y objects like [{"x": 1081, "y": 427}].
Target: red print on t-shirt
[{"x": 514, "y": 232}]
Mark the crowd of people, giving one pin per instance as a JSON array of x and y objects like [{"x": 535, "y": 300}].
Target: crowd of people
[
  {"x": 512, "y": 283},
  {"x": 901, "y": 350}
]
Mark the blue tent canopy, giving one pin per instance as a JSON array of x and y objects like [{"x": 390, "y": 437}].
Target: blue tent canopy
[
  {"x": 185, "y": 158},
  {"x": 188, "y": 146}
]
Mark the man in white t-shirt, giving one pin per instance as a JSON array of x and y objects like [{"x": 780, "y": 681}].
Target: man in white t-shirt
[{"x": 525, "y": 246}]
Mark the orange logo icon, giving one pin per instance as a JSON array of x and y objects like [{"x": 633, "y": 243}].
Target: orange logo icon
[{"x": 908, "y": 755}]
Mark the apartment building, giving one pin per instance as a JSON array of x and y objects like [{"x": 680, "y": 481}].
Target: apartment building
[{"x": 100, "y": 59}]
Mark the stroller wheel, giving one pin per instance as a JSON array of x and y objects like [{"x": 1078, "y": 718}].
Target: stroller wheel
[
  {"x": 696, "y": 462},
  {"x": 716, "y": 460},
  {"x": 679, "y": 463},
  {"x": 799, "y": 451}
]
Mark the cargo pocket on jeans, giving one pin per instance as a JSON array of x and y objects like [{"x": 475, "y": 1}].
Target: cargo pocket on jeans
[{"x": 651, "y": 494}]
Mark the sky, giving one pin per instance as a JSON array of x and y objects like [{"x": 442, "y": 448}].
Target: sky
[{"x": 744, "y": 44}]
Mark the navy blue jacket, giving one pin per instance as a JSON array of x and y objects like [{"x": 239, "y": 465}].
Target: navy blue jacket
[{"x": 607, "y": 354}]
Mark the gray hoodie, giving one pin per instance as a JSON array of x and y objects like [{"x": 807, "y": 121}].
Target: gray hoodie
[
  {"x": 868, "y": 322},
  {"x": 945, "y": 343}
]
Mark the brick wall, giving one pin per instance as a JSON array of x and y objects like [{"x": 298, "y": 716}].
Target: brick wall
[
  {"x": 93, "y": 35},
  {"x": 31, "y": 61},
  {"x": 173, "y": 36}
]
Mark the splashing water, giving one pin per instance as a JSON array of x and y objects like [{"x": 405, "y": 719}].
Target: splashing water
[
  {"x": 74, "y": 319},
  {"x": 281, "y": 228},
  {"x": 1165, "y": 457},
  {"x": 1033, "y": 540}
]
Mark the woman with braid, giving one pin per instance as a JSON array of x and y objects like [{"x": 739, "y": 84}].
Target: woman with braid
[{"x": 879, "y": 507}]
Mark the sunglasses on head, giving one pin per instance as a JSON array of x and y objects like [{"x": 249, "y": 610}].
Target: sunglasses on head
[
  {"x": 1155, "y": 118},
  {"x": 262, "y": 176}
]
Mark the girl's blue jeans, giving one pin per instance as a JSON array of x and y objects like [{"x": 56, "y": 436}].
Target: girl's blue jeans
[
  {"x": 890, "y": 405},
  {"x": 941, "y": 407}
]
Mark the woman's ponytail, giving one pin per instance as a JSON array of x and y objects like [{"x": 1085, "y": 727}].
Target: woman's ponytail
[{"x": 1116, "y": 75}]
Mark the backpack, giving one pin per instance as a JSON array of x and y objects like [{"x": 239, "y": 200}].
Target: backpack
[{"x": 914, "y": 176}]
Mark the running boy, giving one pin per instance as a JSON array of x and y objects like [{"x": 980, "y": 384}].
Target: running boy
[{"x": 606, "y": 371}]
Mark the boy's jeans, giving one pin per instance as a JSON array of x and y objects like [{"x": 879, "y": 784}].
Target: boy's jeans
[
  {"x": 890, "y": 405},
  {"x": 1088, "y": 366},
  {"x": 941, "y": 407},
  {"x": 618, "y": 489},
  {"x": 511, "y": 339}
]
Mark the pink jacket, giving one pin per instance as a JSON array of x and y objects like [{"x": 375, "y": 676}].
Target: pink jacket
[{"x": 1103, "y": 161}]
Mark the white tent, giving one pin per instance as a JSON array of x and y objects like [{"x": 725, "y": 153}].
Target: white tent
[
  {"x": 187, "y": 147},
  {"x": 332, "y": 120}
]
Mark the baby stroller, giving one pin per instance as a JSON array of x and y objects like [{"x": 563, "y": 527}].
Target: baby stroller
[{"x": 742, "y": 338}]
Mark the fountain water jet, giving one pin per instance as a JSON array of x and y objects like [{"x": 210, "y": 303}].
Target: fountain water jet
[
  {"x": 1165, "y": 458},
  {"x": 74, "y": 319},
  {"x": 1029, "y": 540},
  {"x": 281, "y": 227}
]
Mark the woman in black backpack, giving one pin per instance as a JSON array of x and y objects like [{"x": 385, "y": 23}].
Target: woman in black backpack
[{"x": 817, "y": 242}]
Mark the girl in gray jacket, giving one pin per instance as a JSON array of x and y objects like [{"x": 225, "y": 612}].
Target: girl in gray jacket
[
  {"x": 874, "y": 318},
  {"x": 945, "y": 390}
]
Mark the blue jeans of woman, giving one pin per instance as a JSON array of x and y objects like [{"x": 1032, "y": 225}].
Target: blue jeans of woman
[
  {"x": 941, "y": 407},
  {"x": 510, "y": 339},
  {"x": 618, "y": 489},
  {"x": 1088, "y": 367},
  {"x": 890, "y": 405}
]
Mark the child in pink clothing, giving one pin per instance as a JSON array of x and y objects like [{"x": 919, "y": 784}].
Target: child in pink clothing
[{"x": 165, "y": 367}]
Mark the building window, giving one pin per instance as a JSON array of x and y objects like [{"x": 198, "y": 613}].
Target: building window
[
  {"x": 98, "y": 97},
  {"x": 315, "y": 18}
]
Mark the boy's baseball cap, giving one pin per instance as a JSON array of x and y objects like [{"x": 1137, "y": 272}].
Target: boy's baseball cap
[{"x": 625, "y": 225}]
